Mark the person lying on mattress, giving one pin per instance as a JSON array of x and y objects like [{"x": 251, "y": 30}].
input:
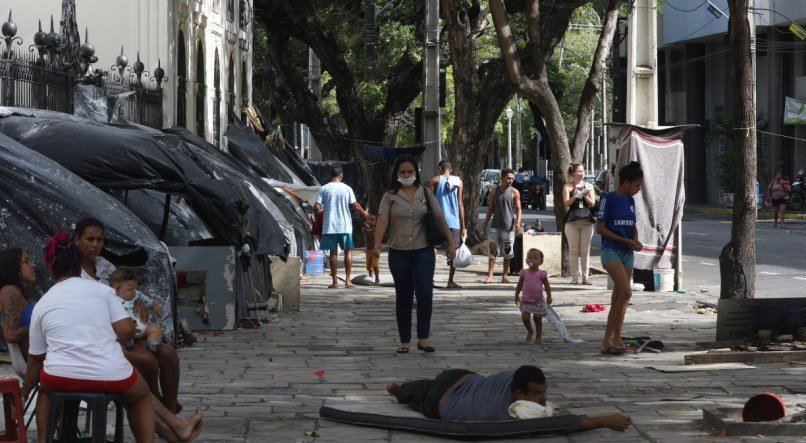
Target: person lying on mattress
[{"x": 462, "y": 395}]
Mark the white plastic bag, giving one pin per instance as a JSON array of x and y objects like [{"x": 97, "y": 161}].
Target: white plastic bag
[{"x": 463, "y": 257}]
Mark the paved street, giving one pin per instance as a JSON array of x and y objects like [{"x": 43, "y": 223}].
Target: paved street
[
  {"x": 781, "y": 261},
  {"x": 259, "y": 385}
]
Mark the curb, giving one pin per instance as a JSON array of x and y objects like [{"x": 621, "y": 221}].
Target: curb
[{"x": 763, "y": 214}]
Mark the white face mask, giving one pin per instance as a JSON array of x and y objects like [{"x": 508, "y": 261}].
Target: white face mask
[{"x": 407, "y": 181}]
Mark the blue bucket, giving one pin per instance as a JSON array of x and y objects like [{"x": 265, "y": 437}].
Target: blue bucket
[{"x": 314, "y": 262}]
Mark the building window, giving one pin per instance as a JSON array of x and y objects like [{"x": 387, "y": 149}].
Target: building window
[
  {"x": 181, "y": 77},
  {"x": 216, "y": 100},
  {"x": 231, "y": 10},
  {"x": 233, "y": 106},
  {"x": 244, "y": 86},
  {"x": 201, "y": 89}
]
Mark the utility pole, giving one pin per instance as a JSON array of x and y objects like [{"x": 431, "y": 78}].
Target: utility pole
[
  {"x": 518, "y": 147},
  {"x": 642, "y": 69},
  {"x": 315, "y": 85},
  {"x": 509, "y": 138},
  {"x": 431, "y": 117}
]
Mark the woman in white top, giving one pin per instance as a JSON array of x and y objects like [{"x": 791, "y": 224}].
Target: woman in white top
[
  {"x": 161, "y": 370},
  {"x": 578, "y": 197},
  {"x": 73, "y": 347}
]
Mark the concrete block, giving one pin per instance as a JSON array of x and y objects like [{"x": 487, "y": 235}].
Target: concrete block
[
  {"x": 551, "y": 245},
  {"x": 728, "y": 422},
  {"x": 285, "y": 278}
]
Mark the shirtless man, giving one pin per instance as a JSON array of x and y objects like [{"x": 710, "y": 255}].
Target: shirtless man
[{"x": 462, "y": 395}]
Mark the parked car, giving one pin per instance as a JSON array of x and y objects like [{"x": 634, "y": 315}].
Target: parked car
[{"x": 489, "y": 179}]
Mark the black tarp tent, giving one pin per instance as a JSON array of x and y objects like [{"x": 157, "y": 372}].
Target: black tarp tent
[
  {"x": 291, "y": 216},
  {"x": 38, "y": 197},
  {"x": 281, "y": 166},
  {"x": 129, "y": 157}
]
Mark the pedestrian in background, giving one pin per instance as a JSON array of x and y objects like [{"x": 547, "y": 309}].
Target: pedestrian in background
[
  {"x": 777, "y": 192},
  {"x": 578, "y": 198},
  {"x": 448, "y": 189},
  {"x": 335, "y": 200},
  {"x": 616, "y": 225},
  {"x": 505, "y": 210},
  {"x": 411, "y": 258}
]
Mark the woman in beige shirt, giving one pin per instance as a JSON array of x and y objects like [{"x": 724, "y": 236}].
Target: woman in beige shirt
[{"x": 411, "y": 257}]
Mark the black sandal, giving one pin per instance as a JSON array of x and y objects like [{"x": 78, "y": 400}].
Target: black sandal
[
  {"x": 402, "y": 350},
  {"x": 426, "y": 349}
]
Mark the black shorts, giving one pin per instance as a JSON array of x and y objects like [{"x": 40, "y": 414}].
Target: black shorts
[{"x": 778, "y": 202}]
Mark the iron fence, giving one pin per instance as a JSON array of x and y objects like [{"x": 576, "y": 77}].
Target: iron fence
[{"x": 29, "y": 81}]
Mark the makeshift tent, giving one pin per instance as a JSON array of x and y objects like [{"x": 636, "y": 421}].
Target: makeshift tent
[
  {"x": 39, "y": 197},
  {"x": 247, "y": 147},
  {"x": 127, "y": 158},
  {"x": 659, "y": 205},
  {"x": 287, "y": 213}
]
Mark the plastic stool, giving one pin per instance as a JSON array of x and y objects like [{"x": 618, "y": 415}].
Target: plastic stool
[
  {"x": 97, "y": 404},
  {"x": 12, "y": 407}
]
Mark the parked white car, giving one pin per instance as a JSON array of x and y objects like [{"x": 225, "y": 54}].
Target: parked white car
[{"x": 489, "y": 179}]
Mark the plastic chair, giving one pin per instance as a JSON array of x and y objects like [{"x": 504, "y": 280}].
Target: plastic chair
[
  {"x": 97, "y": 405},
  {"x": 12, "y": 408},
  {"x": 19, "y": 365}
]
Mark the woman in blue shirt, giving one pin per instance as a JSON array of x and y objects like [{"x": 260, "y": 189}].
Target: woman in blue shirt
[{"x": 616, "y": 225}]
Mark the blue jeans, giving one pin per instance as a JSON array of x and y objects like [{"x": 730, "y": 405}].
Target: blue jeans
[{"x": 413, "y": 273}]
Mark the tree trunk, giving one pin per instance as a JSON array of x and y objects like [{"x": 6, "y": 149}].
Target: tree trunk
[
  {"x": 737, "y": 262},
  {"x": 482, "y": 92},
  {"x": 545, "y": 26}
]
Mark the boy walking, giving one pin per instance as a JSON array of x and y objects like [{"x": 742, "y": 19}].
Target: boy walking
[{"x": 335, "y": 200}]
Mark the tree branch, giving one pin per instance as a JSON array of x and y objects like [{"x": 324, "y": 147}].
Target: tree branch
[{"x": 594, "y": 82}]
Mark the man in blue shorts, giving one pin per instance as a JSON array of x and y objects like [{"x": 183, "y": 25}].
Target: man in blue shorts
[
  {"x": 460, "y": 395},
  {"x": 335, "y": 199}
]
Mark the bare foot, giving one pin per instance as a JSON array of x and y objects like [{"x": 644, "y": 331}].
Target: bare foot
[
  {"x": 392, "y": 388},
  {"x": 488, "y": 280},
  {"x": 196, "y": 432},
  {"x": 539, "y": 342},
  {"x": 188, "y": 424},
  {"x": 333, "y": 286},
  {"x": 529, "y": 336},
  {"x": 377, "y": 282},
  {"x": 504, "y": 280}
]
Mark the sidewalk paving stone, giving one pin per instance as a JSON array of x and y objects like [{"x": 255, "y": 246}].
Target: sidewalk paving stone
[{"x": 258, "y": 385}]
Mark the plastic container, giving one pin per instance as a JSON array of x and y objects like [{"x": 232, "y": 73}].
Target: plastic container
[
  {"x": 767, "y": 406},
  {"x": 664, "y": 279},
  {"x": 314, "y": 262}
]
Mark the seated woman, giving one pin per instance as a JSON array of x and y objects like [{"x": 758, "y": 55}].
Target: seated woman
[
  {"x": 73, "y": 347},
  {"x": 17, "y": 272},
  {"x": 159, "y": 370}
]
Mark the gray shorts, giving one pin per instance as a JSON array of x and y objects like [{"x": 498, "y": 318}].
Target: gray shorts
[{"x": 505, "y": 240}]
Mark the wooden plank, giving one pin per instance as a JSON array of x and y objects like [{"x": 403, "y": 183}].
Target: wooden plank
[
  {"x": 744, "y": 357},
  {"x": 700, "y": 367}
]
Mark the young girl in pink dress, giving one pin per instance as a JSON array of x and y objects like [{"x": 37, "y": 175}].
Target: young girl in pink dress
[{"x": 532, "y": 283}]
